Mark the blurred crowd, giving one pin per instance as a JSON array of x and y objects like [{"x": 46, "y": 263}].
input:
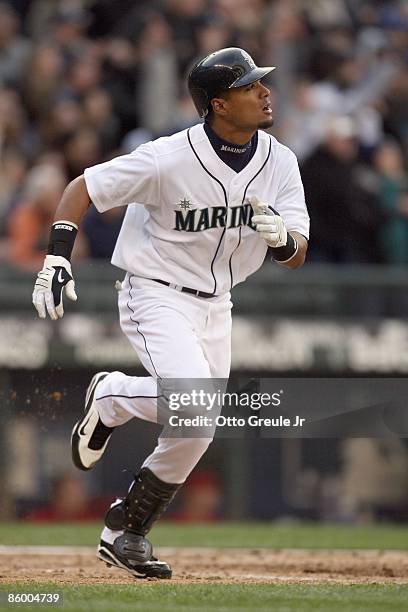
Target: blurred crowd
[{"x": 82, "y": 81}]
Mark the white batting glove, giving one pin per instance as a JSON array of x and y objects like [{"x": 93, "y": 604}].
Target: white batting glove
[
  {"x": 55, "y": 276},
  {"x": 270, "y": 226}
]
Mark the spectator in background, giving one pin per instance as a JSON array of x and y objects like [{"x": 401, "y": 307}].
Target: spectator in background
[
  {"x": 346, "y": 216},
  {"x": 43, "y": 80},
  {"x": 302, "y": 127},
  {"x": 327, "y": 14},
  {"x": 242, "y": 15},
  {"x": 213, "y": 33},
  {"x": 14, "y": 130},
  {"x": 67, "y": 29},
  {"x": 183, "y": 18},
  {"x": 98, "y": 115},
  {"x": 159, "y": 74},
  {"x": 286, "y": 44},
  {"x": 393, "y": 192},
  {"x": 120, "y": 72},
  {"x": 64, "y": 119},
  {"x": 14, "y": 48},
  {"x": 81, "y": 150},
  {"x": 394, "y": 109},
  {"x": 84, "y": 75}
]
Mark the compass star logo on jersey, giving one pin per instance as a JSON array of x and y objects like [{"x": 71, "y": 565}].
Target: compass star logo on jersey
[{"x": 184, "y": 204}]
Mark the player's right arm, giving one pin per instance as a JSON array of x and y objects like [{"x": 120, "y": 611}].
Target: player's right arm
[
  {"x": 55, "y": 277},
  {"x": 120, "y": 181}
]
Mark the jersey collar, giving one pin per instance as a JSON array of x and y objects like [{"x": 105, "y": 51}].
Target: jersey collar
[{"x": 214, "y": 165}]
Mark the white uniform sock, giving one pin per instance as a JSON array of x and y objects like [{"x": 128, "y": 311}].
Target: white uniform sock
[{"x": 110, "y": 536}]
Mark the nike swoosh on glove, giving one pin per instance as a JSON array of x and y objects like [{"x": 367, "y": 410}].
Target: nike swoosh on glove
[
  {"x": 55, "y": 276},
  {"x": 269, "y": 224}
]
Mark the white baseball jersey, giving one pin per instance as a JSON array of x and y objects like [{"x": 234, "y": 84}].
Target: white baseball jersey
[{"x": 194, "y": 228}]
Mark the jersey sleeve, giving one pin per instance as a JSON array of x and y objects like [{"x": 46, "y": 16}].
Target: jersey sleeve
[
  {"x": 125, "y": 179},
  {"x": 290, "y": 202}
]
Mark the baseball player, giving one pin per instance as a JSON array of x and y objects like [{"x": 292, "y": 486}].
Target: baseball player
[{"x": 203, "y": 206}]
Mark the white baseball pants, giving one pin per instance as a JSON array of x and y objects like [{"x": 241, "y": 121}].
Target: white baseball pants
[{"x": 175, "y": 335}]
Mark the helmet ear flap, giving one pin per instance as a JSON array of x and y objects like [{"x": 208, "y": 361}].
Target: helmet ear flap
[{"x": 201, "y": 100}]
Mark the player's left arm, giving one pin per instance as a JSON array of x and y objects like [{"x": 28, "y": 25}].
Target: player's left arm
[{"x": 285, "y": 226}]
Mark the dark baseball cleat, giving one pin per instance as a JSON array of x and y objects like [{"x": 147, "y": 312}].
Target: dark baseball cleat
[
  {"x": 90, "y": 436},
  {"x": 150, "y": 569}
]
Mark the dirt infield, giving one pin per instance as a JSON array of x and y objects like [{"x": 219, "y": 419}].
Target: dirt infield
[{"x": 70, "y": 566}]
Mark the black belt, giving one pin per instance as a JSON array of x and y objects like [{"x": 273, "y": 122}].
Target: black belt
[{"x": 202, "y": 294}]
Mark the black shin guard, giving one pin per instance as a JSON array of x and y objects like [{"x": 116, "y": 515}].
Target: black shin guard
[{"x": 146, "y": 501}]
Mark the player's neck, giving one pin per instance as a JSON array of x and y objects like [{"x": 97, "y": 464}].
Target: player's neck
[{"x": 230, "y": 133}]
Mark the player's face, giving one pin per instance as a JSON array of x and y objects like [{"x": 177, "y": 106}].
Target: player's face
[{"x": 249, "y": 107}]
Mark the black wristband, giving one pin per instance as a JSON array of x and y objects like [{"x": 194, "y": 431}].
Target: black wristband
[
  {"x": 62, "y": 238},
  {"x": 285, "y": 252}
]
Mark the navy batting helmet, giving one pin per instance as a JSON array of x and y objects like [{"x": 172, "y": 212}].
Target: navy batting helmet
[{"x": 219, "y": 71}]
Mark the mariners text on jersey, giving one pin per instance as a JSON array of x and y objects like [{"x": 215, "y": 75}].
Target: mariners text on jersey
[{"x": 197, "y": 220}]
